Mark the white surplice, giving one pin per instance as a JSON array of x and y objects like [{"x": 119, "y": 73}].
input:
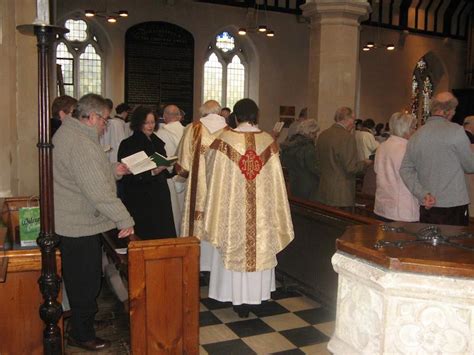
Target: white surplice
[
  {"x": 171, "y": 134},
  {"x": 114, "y": 134}
]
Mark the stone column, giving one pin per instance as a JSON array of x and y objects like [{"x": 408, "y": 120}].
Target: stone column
[{"x": 333, "y": 55}]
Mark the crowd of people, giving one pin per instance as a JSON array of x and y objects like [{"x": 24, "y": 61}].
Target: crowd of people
[
  {"x": 227, "y": 185},
  {"x": 418, "y": 173}
]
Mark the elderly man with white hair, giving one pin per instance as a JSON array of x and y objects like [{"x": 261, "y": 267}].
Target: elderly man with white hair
[
  {"x": 393, "y": 200},
  {"x": 197, "y": 138},
  {"x": 437, "y": 157},
  {"x": 171, "y": 133}
]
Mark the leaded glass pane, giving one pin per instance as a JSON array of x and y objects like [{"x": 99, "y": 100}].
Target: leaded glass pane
[
  {"x": 66, "y": 60},
  {"x": 225, "y": 42},
  {"x": 77, "y": 30},
  {"x": 235, "y": 81},
  {"x": 90, "y": 72},
  {"x": 212, "y": 79}
]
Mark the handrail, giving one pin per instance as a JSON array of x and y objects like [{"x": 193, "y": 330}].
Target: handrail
[{"x": 332, "y": 210}]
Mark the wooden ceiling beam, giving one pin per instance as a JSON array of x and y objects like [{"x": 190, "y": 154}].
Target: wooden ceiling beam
[
  {"x": 448, "y": 16},
  {"x": 404, "y": 7}
]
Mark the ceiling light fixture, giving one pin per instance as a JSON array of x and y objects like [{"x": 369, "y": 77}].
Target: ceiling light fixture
[
  {"x": 253, "y": 23},
  {"x": 372, "y": 45},
  {"x": 111, "y": 17}
]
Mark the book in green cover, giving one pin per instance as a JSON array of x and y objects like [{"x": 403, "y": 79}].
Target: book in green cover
[{"x": 161, "y": 160}]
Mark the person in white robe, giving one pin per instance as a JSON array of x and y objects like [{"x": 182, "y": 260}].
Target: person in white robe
[
  {"x": 194, "y": 145},
  {"x": 171, "y": 133},
  {"x": 247, "y": 216}
]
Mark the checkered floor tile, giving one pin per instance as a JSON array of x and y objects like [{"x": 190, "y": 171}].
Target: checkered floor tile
[{"x": 289, "y": 323}]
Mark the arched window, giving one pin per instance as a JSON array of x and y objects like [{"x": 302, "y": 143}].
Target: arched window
[
  {"x": 225, "y": 71},
  {"x": 79, "y": 55},
  {"x": 422, "y": 91}
]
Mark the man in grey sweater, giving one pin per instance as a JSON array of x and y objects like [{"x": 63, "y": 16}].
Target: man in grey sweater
[
  {"x": 433, "y": 168},
  {"x": 85, "y": 204}
]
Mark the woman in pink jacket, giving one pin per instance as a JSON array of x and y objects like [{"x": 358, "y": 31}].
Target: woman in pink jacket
[{"x": 393, "y": 201}]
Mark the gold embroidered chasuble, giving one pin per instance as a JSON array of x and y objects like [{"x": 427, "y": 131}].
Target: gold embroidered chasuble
[
  {"x": 191, "y": 164},
  {"x": 247, "y": 215}
]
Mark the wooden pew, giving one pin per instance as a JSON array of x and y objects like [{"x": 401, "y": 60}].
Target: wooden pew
[
  {"x": 111, "y": 242},
  {"x": 307, "y": 260},
  {"x": 164, "y": 296},
  {"x": 21, "y": 329}
]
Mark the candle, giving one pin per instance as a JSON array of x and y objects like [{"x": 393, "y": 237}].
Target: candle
[{"x": 42, "y": 12}]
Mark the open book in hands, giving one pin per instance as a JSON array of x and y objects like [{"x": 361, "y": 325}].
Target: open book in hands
[
  {"x": 140, "y": 162},
  {"x": 278, "y": 126}
]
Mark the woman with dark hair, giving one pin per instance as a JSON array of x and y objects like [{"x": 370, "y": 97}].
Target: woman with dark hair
[{"x": 146, "y": 195}]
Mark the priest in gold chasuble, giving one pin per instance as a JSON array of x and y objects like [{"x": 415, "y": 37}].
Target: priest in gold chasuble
[
  {"x": 247, "y": 216},
  {"x": 192, "y": 149}
]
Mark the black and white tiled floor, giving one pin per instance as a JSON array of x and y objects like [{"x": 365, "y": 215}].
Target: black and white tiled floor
[{"x": 290, "y": 323}]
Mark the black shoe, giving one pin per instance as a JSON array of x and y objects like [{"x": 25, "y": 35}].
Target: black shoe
[
  {"x": 98, "y": 325},
  {"x": 242, "y": 310},
  {"x": 204, "y": 278},
  {"x": 96, "y": 344}
]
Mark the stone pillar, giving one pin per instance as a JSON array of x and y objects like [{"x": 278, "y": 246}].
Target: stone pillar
[{"x": 333, "y": 55}]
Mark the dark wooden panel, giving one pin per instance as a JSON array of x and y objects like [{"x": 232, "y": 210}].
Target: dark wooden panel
[
  {"x": 159, "y": 65},
  {"x": 307, "y": 260},
  {"x": 164, "y": 296}
]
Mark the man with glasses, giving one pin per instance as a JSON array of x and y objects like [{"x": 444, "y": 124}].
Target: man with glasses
[
  {"x": 85, "y": 204},
  {"x": 433, "y": 168},
  {"x": 171, "y": 133}
]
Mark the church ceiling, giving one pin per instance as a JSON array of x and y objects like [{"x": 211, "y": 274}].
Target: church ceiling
[
  {"x": 447, "y": 18},
  {"x": 287, "y": 6}
]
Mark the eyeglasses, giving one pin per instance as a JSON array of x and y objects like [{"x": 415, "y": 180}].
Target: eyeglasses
[{"x": 102, "y": 118}]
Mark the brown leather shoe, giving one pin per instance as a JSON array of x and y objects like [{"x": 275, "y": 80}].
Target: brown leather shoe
[{"x": 91, "y": 345}]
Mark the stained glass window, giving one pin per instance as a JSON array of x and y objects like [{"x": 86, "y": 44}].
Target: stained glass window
[
  {"x": 422, "y": 91},
  {"x": 77, "y": 30},
  {"x": 225, "y": 42},
  {"x": 90, "y": 72},
  {"x": 427, "y": 93},
  {"x": 80, "y": 59},
  {"x": 225, "y": 73},
  {"x": 235, "y": 81}
]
